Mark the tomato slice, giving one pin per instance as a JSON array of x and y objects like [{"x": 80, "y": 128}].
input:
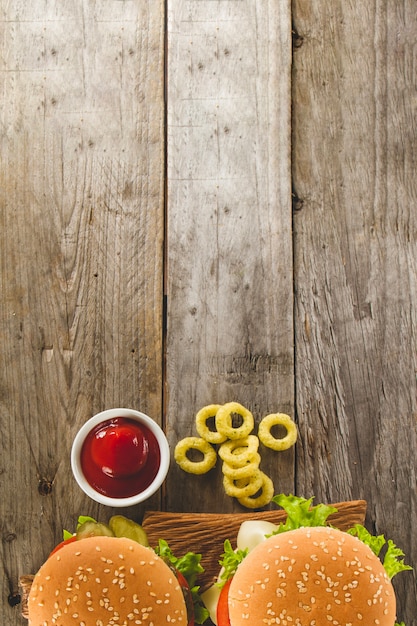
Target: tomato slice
[
  {"x": 63, "y": 543},
  {"x": 223, "y": 618}
]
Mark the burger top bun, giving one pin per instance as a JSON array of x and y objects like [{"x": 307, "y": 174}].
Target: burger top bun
[
  {"x": 312, "y": 577},
  {"x": 103, "y": 581}
]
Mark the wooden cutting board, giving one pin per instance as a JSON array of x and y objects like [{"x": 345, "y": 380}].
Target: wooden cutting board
[{"x": 205, "y": 533}]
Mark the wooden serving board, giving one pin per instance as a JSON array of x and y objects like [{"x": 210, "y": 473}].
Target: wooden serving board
[{"x": 205, "y": 533}]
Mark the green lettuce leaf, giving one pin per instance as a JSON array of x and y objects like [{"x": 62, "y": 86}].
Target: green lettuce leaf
[
  {"x": 375, "y": 542},
  {"x": 190, "y": 567},
  {"x": 301, "y": 513},
  {"x": 229, "y": 561},
  {"x": 393, "y": 560}
]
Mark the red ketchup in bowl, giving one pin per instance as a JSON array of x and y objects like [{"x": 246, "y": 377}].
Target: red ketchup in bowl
[{"x": 120, "y": 457}]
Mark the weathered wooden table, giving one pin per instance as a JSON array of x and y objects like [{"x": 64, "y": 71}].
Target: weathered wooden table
[{"x": 205, "y": 201}]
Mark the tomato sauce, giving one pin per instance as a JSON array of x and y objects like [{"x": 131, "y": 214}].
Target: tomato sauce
[{"x": 120, "y": 457}]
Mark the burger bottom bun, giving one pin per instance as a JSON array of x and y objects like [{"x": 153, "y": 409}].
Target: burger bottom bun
[
  {"x": 105, "y": 581},
  {"x": 312, "y": 577}
]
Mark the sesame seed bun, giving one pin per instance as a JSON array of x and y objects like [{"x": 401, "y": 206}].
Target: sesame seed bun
[
  {"x": 311, "y": 577},
  {"x": 103, "y": 581}
]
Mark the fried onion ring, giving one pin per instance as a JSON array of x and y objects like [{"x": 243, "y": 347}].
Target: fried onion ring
[
  {"x": 246, "y": 449},
  {"x": 212, "y": 436},
  {"x": 264, "y": 498},
  {"x": 224, "y": 421},
  {"x": 264, "y": 431},
  {"x": 195, "y": 467},
  {"x": 243, "y": 487},
  {"x": 244, "y": 471}
]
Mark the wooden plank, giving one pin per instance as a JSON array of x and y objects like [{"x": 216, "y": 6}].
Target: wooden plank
[
  {"x": 229, "y": 275},
  {"x": 354, "y": 148},
  {"x": 81, "y": 228}
]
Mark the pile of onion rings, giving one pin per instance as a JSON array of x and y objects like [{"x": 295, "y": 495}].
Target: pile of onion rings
[{"x": 238, "y": 448}]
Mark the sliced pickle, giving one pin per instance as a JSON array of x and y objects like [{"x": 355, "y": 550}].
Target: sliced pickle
[
  {"x": 124, "y": 527},
  {"x": 93, "y": 529}
]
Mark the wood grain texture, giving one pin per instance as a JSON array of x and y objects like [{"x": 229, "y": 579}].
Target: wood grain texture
[
  {"x": 311, "y": 313},
  {"x": 81, "y": 228},
  {"x": 229, "y": 272},
  {"x": 355, "y": 251}
]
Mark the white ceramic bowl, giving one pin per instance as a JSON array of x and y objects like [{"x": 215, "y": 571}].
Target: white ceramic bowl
[{"x": 104, "y": 416}]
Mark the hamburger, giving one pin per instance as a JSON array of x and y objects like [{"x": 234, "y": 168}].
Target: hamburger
[
  {"x": 103, "y": 581},
  {"x": 95, "y": 578},
  {"x": 312, "y": 576},
  {"x": 305, "y": 573}
]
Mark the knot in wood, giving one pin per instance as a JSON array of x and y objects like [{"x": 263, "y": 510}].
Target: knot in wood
[{"x": 45, "y": 486}]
